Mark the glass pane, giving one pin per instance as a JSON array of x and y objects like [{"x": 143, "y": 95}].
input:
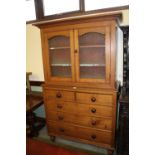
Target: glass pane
[
  {"x": 99, "y": 4},
  {"x": 30, "y": 10},
  {"x": 92, "y": 55},
  {"x": 58, "y": 6},
  {"x": 92, "y": 72},
  {"x": 92, "y": 38},
  {"x": 59, "y": 56}
]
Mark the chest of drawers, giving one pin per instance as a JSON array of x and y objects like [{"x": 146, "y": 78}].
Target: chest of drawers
[{"x": 82, "y": 115}]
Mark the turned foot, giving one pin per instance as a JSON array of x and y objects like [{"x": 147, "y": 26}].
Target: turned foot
[
  {"x": 110, "y": 152},
  {"x": 52, "y": 138}
]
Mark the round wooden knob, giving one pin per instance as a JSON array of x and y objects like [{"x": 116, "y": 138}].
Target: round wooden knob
[
  {"x": 60, "y": 117},
  {"x": 105, "y": 126},
  {"x": 58, "y": 95},
  {"x": 61, "y": 130},
  {"x": 93, "y": 110},
  {"x": 93, "y": 122},
  {"x": 59, "y": 106},
  {"x": 93, "y": 99},
  {"x": 93, "y": 136}
]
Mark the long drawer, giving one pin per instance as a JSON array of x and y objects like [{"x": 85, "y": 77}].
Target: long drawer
[
  {"x": 76, "y": 108},
  {"x": 68, "y": 129},
  {"x": 101, "y": 99},
  {"x": 94, "y": 122}
]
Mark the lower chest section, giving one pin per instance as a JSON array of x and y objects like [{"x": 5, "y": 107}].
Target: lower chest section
[{"x": 82, "y": 115}]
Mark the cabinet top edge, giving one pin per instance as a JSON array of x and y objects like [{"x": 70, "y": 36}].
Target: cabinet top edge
[{"x": 117, "y": 16}]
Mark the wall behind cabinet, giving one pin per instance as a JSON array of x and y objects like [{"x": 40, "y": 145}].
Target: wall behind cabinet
[
  {"x": 34, "y": 53},
  {"x": 34, "y": 62}
]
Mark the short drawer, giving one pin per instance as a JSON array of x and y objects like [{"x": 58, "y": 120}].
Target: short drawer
[
  {"x": 68, "y": 129},
  {"x": 76, "y": 108},
  {"x": 59, "y": 95},
  {"x": 100, "y": 99},
  {"x": 94, "y": 122}
]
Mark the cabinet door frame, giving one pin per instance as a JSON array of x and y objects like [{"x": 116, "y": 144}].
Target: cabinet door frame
[
  {"x": 48, "y": 74},
  {"x": 103, "y": 30}
]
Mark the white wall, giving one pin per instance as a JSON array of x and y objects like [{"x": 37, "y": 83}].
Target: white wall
[
  {"x": 125, "y": 18},
  {"x": 34, "y": 53}
]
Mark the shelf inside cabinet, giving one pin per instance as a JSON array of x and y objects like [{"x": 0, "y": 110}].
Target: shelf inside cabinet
[
  {"x": 92, "y": 65},
  {"x": 61, "y": 65},
  {"x": 59, "y": 48},
  {"x": 91, "y": 46}
]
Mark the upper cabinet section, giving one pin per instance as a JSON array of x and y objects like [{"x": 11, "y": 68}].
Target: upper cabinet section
[{"x": 80, "y": 53}]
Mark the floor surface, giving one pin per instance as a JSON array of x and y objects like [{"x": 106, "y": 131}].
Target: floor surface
[
  {"x": 71, "y": 145},
  {"x": 36, "y": 147}
]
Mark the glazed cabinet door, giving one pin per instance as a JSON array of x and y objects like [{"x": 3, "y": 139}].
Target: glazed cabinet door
[
  {"x": 59, "y": 58},
  {"x": 92, "y": 48}
]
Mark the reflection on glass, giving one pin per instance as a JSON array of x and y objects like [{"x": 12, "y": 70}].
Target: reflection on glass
[
  {"x": 55, "y": 7},
  {"x": 30, "y": 10},
  {"x": 100, "y": 4}
]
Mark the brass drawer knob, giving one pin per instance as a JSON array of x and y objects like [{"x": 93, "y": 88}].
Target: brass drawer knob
[
  {"x": 93, "y": 110},
  {"x": 61, "y": 129},
  {"x": 59, "y": 106},
  {"x": 93, "y": 122},
  {"x": 58, "y": 95},
  {"x": 93, "y": 136},
  {"x": 60, "y": 117},
  {"x": 93, "y": 99}
]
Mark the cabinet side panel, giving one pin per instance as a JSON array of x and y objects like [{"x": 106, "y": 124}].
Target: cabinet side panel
[
  {"x": 43, "y": 55},
  {"x": 119, "y": 56},
  {"x": 114, "y": 118},
  {"x": 113, "y": 54}
]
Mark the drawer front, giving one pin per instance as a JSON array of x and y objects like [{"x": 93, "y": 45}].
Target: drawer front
[
  {"x": 94, "y": 98},
  {"x": 76, "y": 108},
  {"x": 80, "y": 132},
  {"x": 95, "y": 122},
  {"x": 59, "y": 95},
  {"x": 95, "y": 110}
]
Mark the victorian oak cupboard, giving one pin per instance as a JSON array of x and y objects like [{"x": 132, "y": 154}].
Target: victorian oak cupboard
[{"x": 79, "y": 59}]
